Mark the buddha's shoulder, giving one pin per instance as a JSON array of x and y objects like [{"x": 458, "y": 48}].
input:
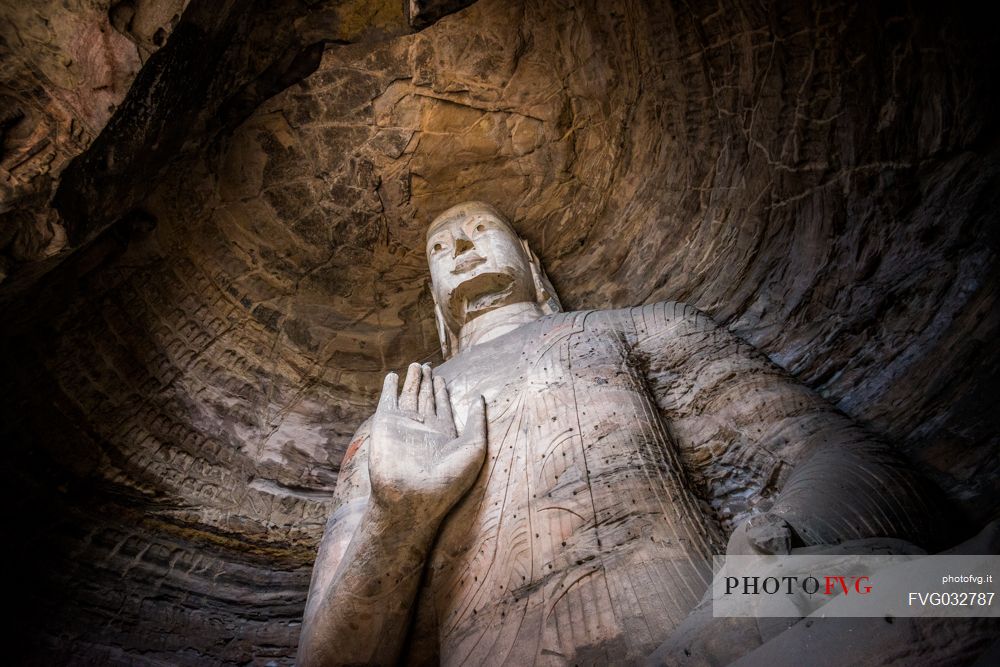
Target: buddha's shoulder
[
  {"x": 640, "y": 319},
  {"x": 631, "y": 323}
]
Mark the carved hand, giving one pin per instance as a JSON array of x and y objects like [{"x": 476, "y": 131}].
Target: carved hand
[
  {"x": 419, "y": 466},
  {"x": 762, "y": 534}
]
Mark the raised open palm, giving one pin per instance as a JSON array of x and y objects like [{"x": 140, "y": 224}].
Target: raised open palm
[{"x": 419, "y": 466}]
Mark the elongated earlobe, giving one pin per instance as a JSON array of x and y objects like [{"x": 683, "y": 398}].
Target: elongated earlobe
[
  {"x": 449, "y": 342},
  {"x": 545, "y": 294}
]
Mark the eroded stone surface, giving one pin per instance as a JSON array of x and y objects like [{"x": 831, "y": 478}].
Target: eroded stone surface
[{"x": 66, "y": 67}]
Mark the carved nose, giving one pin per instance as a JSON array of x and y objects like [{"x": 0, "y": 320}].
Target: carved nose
[{"x": 461, "y": 245}]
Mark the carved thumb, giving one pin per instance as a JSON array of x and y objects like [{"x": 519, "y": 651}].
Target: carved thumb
[{"x": 475, "y": 422}]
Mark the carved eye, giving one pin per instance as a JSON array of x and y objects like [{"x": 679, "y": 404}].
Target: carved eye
[
  {"x": 480, "y": 228},
  {"x": 437, "y": 246}
]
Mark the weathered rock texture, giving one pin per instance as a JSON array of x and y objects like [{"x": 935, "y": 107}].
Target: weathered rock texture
[
  {"x": 65, "y": 67},
  {"x": 248, "y": 259}
]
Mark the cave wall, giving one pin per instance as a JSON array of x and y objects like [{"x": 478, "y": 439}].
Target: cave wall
[
  {"x": 65, "y": 67},
  {"x": 822, "y": 179}
]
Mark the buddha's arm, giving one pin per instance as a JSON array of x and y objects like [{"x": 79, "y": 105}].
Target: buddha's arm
[
  {"x": 350, "y": 503},
  {"x": 755, "y": 435},
  {"x": 413, "y": 467}
]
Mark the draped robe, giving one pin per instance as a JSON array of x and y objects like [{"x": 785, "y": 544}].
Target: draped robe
[{"x": 621, "y": 445}]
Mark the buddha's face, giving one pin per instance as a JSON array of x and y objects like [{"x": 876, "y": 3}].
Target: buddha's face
[{"x": 477, "y": 264}]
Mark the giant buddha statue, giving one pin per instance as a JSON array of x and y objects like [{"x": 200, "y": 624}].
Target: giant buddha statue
[{"x": 553, "y": 492}]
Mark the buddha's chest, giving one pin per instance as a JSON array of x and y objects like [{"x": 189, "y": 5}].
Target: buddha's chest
[
  {"x": 548, "y": 374},
  {"x": 578, "y": 487}
]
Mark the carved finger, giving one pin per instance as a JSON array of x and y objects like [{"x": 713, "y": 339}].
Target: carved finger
[
  {"x": 425, "y": 399},
  {"x": 769, "y": 534},
  {"x": 388, "y": 401},
  {"x": 441, "y": 401},
  {"x": 408, "y": 397},
  {"x": 475, "y": 422}
]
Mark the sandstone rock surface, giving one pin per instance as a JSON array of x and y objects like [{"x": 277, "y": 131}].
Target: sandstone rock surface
[{"x": 66, "y": 67}]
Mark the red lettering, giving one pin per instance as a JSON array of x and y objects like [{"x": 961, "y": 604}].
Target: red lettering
[
  {"x": 831, "y": 585},
  {"x": 859, "y": 584}
]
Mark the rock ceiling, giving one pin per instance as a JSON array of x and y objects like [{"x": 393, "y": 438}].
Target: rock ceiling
[{"x": 211, "y": 234}]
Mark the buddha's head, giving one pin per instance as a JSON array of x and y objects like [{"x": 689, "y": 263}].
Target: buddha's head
[{"x": 478, "y": 263}]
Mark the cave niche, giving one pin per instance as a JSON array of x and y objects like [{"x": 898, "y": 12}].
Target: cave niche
[{"x": 207, "y": 282}]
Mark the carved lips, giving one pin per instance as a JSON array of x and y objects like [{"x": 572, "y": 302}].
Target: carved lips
[{"x": 468, "y": 263}]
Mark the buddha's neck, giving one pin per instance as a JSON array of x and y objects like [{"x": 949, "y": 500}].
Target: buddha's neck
[{"x": 495, "y": 323}]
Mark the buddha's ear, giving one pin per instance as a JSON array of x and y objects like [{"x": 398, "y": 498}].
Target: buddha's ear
[
  {"x": 447, "y": 339},
  {"x": 545, "y": 294}
]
